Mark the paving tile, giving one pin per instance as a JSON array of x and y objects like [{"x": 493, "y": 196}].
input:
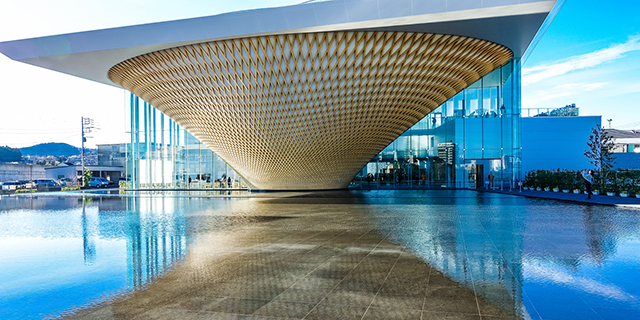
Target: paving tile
[
  {"x": 330, "y": 311},
  {"x": 303, "y": 295},
  {"x": 204, "y": 315},
  {"x": 499, "y": 308},
  {"x": 237, "y": 306},
  {"x": 449, "y": 316},
  {"x": 450, "y": 299},
  {"x": 166, "y": 313},
  {"x": 285, "y": 309},
  {"x": 398, "y": 302},
  {"x": 194, "y": 302},
  {"x": 315, "y": 282},
  {"x": 389, "y": 313},
  {"x": 352, "y": 298},
  {"x": 331, "y": 273}
]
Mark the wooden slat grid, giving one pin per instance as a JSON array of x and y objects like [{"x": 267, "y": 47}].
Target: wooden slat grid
[{"x": 306, "y": 111}]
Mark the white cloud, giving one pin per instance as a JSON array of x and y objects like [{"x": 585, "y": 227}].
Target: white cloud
[
  {"x": 579, "y": 62},
  {"x": 540, "y": 271},
  {"x": 578, "y": 86}
]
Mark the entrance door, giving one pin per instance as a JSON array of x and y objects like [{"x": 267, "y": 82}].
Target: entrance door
[{"x": 479, "y": 176}]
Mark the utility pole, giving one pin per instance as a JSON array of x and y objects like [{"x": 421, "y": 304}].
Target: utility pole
[
  {"x": 81, "y": 182},
  {"x": 87, "y": 127}
]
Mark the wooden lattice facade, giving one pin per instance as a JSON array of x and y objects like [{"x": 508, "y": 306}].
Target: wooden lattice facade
[{"x": 306, "y": 111}]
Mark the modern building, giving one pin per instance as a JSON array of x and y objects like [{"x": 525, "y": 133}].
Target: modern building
[
  {"x": 556, "y": 142},
  {"x": 626, "y": 150},
  {"x": 71, "y": 173},
  {"x": 305, "y": 96},
  {"x": 113, "y": 154}
]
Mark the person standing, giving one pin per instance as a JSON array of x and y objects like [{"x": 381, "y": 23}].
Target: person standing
[
  {"x": 588, "y": 181},
  {"x": 490, "y": 179}
]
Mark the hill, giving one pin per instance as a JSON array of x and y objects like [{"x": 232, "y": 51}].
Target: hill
[
  {"x": 51, "y": 149},
  {"x": 8, "y": 154}
]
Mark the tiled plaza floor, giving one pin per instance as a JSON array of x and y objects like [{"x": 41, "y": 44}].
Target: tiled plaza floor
[{"x": 328, "y": 264}]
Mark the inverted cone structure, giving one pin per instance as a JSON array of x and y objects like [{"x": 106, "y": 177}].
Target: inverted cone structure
[{"x": 308, "y": 110}]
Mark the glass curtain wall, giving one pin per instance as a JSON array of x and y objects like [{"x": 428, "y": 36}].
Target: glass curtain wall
[
  {"x": 471, "y": 141},
  {"x": 162, "y": 155}
]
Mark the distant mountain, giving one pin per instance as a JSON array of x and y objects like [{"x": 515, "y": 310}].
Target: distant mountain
[{"x": 51, "y": 149}]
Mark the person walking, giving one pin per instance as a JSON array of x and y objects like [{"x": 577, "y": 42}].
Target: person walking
[{"x": 588, "y": 181}]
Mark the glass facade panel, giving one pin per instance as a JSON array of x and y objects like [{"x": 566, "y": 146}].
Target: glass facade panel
[
  {"x": 162, "y": 155},
  {"x": 460, "y": 143}
]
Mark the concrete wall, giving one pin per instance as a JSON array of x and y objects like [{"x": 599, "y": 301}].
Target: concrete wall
[
  {"x": 13, "y": 171},
  {"x": 556, "y": 142}
]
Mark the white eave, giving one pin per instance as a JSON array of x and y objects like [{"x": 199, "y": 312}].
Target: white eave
[{"x": 91, "y": 54}]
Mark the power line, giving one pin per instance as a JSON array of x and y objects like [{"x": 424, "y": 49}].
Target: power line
[
  {"x": 38, "y": 130},
  {"x": 630, "y": 125},
  {"x": 54, "y": 140}
]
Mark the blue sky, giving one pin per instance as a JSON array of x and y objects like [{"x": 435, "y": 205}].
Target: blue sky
[{"x": 590, "y": 55}]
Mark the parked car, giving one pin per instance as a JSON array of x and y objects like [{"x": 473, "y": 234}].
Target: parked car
[
  {"x": 45, "y": 183},
  {"x": 26, "y": 184},
  {"x": 10, "y": 185},
  {"x": 98, "y": 182}
]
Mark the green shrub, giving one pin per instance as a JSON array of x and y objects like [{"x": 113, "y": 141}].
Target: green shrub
[{"x": 25, "y": 190}]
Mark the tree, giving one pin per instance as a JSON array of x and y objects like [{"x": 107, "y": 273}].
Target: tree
[
  {"x": 8, "y": 154},
  {"x": 600, "y": 151},
  {"x": 86, "y": 177}
]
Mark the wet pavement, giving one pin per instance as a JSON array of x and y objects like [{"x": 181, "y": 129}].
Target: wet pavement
[
  {"x": 630, "y": 201},
  {"x": 435, "y": 254}
]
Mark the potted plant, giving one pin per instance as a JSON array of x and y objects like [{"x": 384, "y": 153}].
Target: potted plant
[
  {"x": 538, "y": 189},
  {"x": 610, "y": 189},
  {"x": 624, "y": 193},
  {"x": 556, "y": 189},
  {"x": 547, "y": 188},
  {"x": 596, "y": 192}
]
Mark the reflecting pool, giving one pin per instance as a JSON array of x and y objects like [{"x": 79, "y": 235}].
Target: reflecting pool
[{"x": 428, "y": 254}]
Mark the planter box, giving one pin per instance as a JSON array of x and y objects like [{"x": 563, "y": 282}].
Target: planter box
[
  {"x": 556, "y": 190},
  {"x": 525, "y": 188},
  {"x": 538, "y": 189},
  {"x": 595, "y": 193},
  {"x": 611, "y": 194},
  {"x": 565, "y": 191},
  {"x": 547, "y": 189},
  {"x": 637, "y": 195},
  {"x": 576, "y": 191},
  {"x": 624, "y": 195}
]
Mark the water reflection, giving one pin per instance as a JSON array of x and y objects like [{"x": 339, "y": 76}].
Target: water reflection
[
  {"x": 535, "y": 259},
  {"x": 156, "y": 238},
  {"x": 532, "y": 259},
  {"x": 60, "y": 254}
]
